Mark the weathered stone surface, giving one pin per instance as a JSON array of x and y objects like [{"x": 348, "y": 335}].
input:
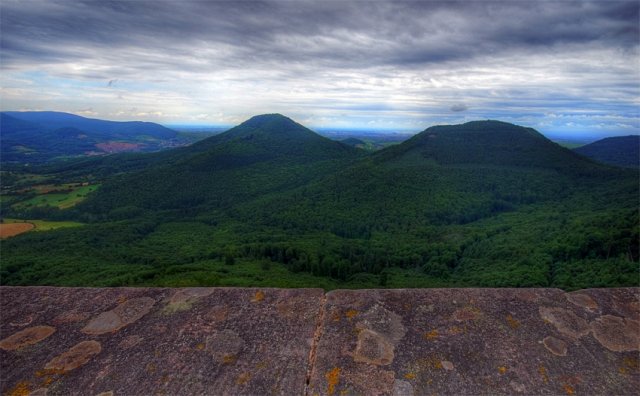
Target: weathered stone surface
[
  {"x": 122, "y": 341},
  {"x": 75, "y": 357},
  {"x": 28, "y": 336},
  {"x": 125, "y": 341},
  {"x": 477, "y": 342}
]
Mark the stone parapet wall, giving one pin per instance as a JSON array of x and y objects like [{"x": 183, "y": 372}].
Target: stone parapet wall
[{"x": 163, "y": 341}]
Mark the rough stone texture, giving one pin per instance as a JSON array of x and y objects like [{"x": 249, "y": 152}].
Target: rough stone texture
[
  {"x": 160, "y": 341},
  {"x": 478, "y": 342}
]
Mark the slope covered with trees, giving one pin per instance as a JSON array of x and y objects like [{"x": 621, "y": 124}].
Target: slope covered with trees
[
  {"x": 619, "y": 151},
  {"x": 39, "y": 136},
  {"x": 272, "y": 203}
]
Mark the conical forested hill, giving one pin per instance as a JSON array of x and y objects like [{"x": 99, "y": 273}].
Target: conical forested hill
[
  {"x": 266, "y": 153},
  {"x": 266, "y": 137},
  {"x": 484, "y": 143}
]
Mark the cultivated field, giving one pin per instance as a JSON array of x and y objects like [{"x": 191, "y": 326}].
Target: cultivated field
[
  {"x": 62, "y": 197},
  {"x": 12, "y": 229}
]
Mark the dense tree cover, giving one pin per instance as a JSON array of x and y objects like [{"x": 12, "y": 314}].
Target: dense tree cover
[
  {"x": 270, "y": 203},
  {"x": 619, "y": 151}
]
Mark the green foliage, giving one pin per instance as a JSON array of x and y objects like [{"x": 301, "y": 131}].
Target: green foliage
[{"x": 269, "y": 203}]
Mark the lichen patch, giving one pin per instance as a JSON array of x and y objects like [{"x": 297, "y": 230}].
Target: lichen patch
[
  {"x": 582, "y": 300},
  {"x": 617, "y": 334},
  {"x": 183, "y": 299},
  {"x": 555, "y": 346},
  {"x": 565, "y": 321},
  {"x": 75, "y": 357},
  {"x": 402, "y": 388},
  {"x": 465, "y": 314},
  {"x": 126, "y": 313},
  {"x": 333, "y": 377},
  {"x": 28, "y": 336},
  {"x": 447, "y": 365},
  {"x": 373, "y": 348},
  {"x": 384, "y": 322},
  {"x": 224, "y": 346}
]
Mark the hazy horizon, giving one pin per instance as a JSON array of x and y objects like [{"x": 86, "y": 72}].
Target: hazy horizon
[{"x": 564, "y": 68}]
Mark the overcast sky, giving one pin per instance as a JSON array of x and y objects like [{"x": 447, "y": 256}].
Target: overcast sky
[{"x": 558, "y": 66}]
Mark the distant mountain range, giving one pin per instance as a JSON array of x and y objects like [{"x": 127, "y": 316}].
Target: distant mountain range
[
  {"x": 619, "y": 151},
  {"x": 41, "y": 136}
]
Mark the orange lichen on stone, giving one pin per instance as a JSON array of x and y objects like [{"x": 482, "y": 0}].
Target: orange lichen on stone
[
  {"x": 28, "y": 336},
  {"x": 21, "y": 389},
  {"x": 335, "y": 316},
  {"x": 555, "y": 346},
  {"x": 543, "y": 373},
  {"x": 429, "y": 363},
  {"x": 261, "y": 365},
  {"x": 75, "y": 357},
  {"x": 410, "y": 376},
  {"x": 49, "y": 372},
  {"x": 467, "y": 313},
  {"x": 229, "y": 359},
  {"x": 351, "y": 313},
  {"x": 333, "y": 377},
  {"x": 431, "y": 335},
  {"x": 200, "y": 346},
  {"x": 617, "y": 334},
  {"x": 513, "y": 323},
  {"x": 151, "y": 368},
  {"x": 453, "y": 330},
  {"x": 122, "y": 315},
  {"x": 47, "y": 381},
  {"x": 629, "y": 364},
  {"x": 632, "y": 363},
  {"x": 243, "y": 378},
  {"x": 259, "y": 296},
  {"x": 502, "y": 369},
  {"x": 568, "y": 389}
]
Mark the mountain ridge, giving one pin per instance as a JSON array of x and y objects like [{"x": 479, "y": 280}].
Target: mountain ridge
[
  {"x": 38, "y": 137},
  {"x": 621, "y": 151}
]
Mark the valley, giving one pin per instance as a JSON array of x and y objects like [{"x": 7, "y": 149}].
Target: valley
[{"x": 272, "y": 203}]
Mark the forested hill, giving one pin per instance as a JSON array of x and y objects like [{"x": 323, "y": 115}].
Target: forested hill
[
  {"x": 486, "y": 143},
  {"x": 264, "y": 154},
  {"x": 271, "y": 203},
  {"x": 619, "y": 151},
  {"x": 38, "y": 137},
  {"x": 103, "y": 128},
  {"x": 269, "y": 137}
]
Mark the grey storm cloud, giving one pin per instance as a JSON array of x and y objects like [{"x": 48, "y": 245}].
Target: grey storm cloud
[
  {"x": 370, "y": 59},
  {"x": 335, "y": 34},
  {"x": 459, "y": 107}
]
